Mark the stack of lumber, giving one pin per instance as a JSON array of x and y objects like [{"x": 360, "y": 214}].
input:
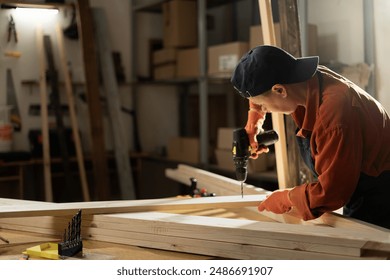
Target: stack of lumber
[
  {"x": 222, "y": 226},
  {"x": 220, "y": 237}
]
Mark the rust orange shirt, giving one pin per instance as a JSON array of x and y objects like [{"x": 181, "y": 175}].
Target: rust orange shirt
[{"x": 349, "y": 133}]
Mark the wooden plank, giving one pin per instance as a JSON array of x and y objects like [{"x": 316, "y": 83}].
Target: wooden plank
[
  {"x": 72, "y": 113},
  {"x": 207, "y": 247},
  {"x": 226, "y": 186},
  {"x": 201, "y": 228},
  {"x": 44, "y": 116},
  {"x": 48, "y": 222},
  {"x": 15, "y": 238},
  {"x": 198, "y": 229},
  {"x": 123, "y": 206},
  {"x": 333, "y": 242},
  {"x": 55, "y": 103},
  {"x": 99, "y": 158},
  {"x": 33, "y": 229},
  {"x": 267, "y": 25},
  {"x": 245, "y": 231},
  {"x": 121, "y": 150},
  {"x": 291, "y": 42}
]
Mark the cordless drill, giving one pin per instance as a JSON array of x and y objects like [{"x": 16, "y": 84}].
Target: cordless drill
[{"x": 242, "y": 150}]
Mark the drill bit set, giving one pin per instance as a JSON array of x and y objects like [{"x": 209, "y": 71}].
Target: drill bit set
[
  {"x": 72, "y": 242},
  {"x": 71, "y": 245}
]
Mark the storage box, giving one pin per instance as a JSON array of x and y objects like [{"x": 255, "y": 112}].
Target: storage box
[
  {"x": 222, "y": 59},
  {"x": 185, "y": 149},
  {"x": 180, "y": 24},
  {"x": 225, "y": 159},
  {"x": 188, "y": 63},
  {"x": 312, "y": 37},
  {"x": 225, "y": 138},
  {"x": 163, "y": 56},
  {"x": 165, "y": 71},
  {"x": 256, "y": 37}
]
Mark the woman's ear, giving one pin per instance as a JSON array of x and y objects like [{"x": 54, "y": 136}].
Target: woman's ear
[{"x": 280, "y": 90}]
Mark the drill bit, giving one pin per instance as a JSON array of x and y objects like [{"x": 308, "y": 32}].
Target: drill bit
[{"x": 242, "y": 189}]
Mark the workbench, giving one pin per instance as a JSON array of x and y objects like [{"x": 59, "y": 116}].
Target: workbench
[
  {"x": 227, "y": 226},
  {"x": 93, "y": 250}
]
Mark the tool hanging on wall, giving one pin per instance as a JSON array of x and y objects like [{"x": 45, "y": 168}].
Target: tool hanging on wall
[
  {"x": 12, "y": 102},
  {"x": 71, "y": 31},
  {"x": 12, "y": 30}
]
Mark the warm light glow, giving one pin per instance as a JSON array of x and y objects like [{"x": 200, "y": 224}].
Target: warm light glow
[{"x": 36, "y": 11}]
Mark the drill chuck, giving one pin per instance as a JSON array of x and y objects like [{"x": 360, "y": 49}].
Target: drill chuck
[{"x": 241, "y": 169}]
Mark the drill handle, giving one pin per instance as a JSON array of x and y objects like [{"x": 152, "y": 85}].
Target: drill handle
[{"x": 267, "y": 138}]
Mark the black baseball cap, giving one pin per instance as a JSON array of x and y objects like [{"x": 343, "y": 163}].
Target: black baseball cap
[{"x": 264, "y": 66}]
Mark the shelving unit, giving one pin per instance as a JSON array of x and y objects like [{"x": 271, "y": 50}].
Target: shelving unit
[{"x": 154, "y": 6}]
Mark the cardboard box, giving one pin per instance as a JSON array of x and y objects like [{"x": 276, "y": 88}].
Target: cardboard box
[
  {"x": 166, "y": 55},
  {"x": 222, "y": 59},
  {"x": 165, "y": 71},
  {"x": 312, "y": 37},
  {"x": 180, "y": 24},
  {"x": 184, "y": 149},
  {"x": 358, "y": 73},
  {"x": 256, "y": 37},
  {"x": 224, "y": 159},
  {"x": 188, "y": 63},
  {"x": 225, "y": 138}
]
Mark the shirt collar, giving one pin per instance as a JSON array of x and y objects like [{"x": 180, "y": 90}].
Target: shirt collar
[{"x": 305, "y": 117}]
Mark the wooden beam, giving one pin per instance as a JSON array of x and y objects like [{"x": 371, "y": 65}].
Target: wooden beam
[
  {"x": 104, "y": 207},
  {"x": 220, "y": 236},
  {"x": 145, "y": 227},
  {"x": 267, "y": 25},
  {"x": 99, "y": 158},
  {"x": 16, "y": 239},
  {"x": 121, "y": 150},
  {"x": 44, "y": 116},
  {"x": 175, "y": 232},
  {"x": 225, "y": 186},
  {"x": 72, "y": 113},
  {"x": 291, "y": 42},
  {"x": 207, "y": 247}
]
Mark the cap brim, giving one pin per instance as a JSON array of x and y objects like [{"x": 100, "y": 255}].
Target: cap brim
[{"x": 304, "y": 69}]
